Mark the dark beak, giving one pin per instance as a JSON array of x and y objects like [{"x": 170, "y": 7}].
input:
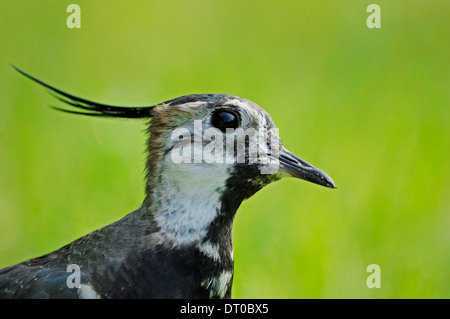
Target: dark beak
[{"x": 296, "y": 167}]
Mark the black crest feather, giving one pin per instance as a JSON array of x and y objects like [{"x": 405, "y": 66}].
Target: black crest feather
[{"x": 92, "y": 108}]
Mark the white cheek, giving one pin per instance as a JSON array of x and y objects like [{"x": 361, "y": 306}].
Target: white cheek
[{"x": 197, "y": 178}]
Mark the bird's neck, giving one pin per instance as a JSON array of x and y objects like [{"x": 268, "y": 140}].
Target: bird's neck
[{"x": 193, "y": 214}]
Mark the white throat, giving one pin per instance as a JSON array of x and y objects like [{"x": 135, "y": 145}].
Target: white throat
[
  {"x": 185, "y": 218},
  {"x": 188, "y": 200}
]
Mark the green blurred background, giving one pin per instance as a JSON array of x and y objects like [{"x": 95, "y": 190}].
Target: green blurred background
[{"x": 371, "y": 107}]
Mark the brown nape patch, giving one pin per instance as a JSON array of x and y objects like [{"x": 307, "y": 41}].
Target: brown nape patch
[{"x": 166, "y": 117}]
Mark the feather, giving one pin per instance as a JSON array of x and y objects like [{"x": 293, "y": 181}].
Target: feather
[{"x": 92, "y": 108}]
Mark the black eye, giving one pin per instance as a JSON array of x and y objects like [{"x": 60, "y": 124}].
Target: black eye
[{"x": 224, "y": 119}]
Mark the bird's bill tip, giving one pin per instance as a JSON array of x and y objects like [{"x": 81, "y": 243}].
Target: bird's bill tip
[{"x": 298, "y": 168}]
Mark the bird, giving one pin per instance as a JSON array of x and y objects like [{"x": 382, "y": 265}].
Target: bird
[{"x": 178, "y": 243}]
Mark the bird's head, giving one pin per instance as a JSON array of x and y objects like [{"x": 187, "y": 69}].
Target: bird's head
[
  {"x": 219, "y": 140},
  {"x": 207, "y": 141}
]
